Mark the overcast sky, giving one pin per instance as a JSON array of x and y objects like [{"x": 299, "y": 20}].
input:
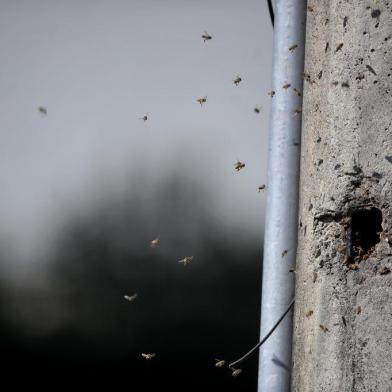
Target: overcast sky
[{"x": 97, "y": 66}]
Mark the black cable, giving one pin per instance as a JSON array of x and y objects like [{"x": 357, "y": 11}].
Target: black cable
[
  {"x": 271, "y": 11},
  {"x": 250, "y": 352}
]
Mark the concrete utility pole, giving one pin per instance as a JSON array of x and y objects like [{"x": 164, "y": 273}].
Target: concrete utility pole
[{"x": 343, "y": 310}]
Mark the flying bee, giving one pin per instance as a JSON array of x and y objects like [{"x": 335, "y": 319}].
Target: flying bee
[
  {"x": 286, "y": 86},
  {"x": 148, "y": 356},
  {"x": 239, "y": 165},
  {"x": 293, "y": 47},
  {"x": 155, "y": 242},
  {"x": 315, "y": 276},
  {"x": 262, "y": 188},
  {"x": 202, "y": 100},
  {"x": 206, "y": 36},
  {"x": 284, "y": 253},
  {"x": 145, "y": 117},
  {"x": 339, "y": 47},
  {"x": 186, "y": 260},
  {"x": 43, "y": 110},
  {"x": 324, "y": 328},
  {"x": 297, "y": 92},
  {"x": 359, "y": 309},
  {"x": 257, "y": 109},
  {"x": 310, "y": 8},
  {"x": 235, "y": 372},
  {"x": 271, "y": 93},
  {"x": 237, "y": 80},
  {"x": 130, "y": 298},
  {"x": 219, "y": 363}
]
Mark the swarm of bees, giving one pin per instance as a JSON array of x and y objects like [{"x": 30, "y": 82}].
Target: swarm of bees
[
  {"x": 237, "y": 80},
  {"x": 206, "y": 36},
  {"x": 145, "y": 117},
  {"x": 130, "y": 298},
  {"x": 43, "y": 110},
  {"x": 219, "y": 363},
  {"x": 186, "y": 260},
  {"x": 202, "y": 100},
  {"x": 239, "y": 165},
  {"x": 148, "y": 357},
  {"x": 155, "y": 242}
]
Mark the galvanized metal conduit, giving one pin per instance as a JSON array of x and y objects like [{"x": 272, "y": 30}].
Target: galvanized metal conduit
[{"x": 280, "y": 239}]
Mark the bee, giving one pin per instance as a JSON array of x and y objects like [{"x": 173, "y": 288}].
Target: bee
[
  {"x": 286, "y": 86},
  {"x": 345, "y": 20},
  {"x": 326, "y": 47},
  {"x": 145, "y": 117},
  {"x": 130, "y": 298},
  {"x": 186, "y": 260},
  {"x": 239, "y": 165},
  {"x": 307, "y": 78},
  {"x": 43, "y": 110},
  {"x": 284, "y": 253},
  {"x": 384, "y": 271},
  {"x": 339, "y": 47},
  {"x": 206, "y": 36},
  {"x": 345, "y": 222},
  {"x": 354, "y": 266},
  {"x": 202, "y": 100},
  {"x": 262, "y": 188},
  {"x": 384, "y": 236},
  {"x": 371, "y": 69},
  {"x": 235, "y": 372},
  {"x": 309, "y": 313},
  {"x": 237, "y": 80},
  {"x": 292, "y": 270},
  {"x": 344, "y": 321},
  {"x": 359, "y": 309},
  {"x": 315, "y": 275},
  {"x": 310, "y": 8},
  {"x": 148, "y": 356},
  {"x": 155, "y": 242},
  {"x": 297, "y": 111},
  {"x": 219, "y": 363},
  {"x": 297, "y": 92},
  {"x": 257, "y": 109},
  {"x": 324, "y": 328},
  {"x": 293, "y": 47},
  {"x": 271, "y": 93}
]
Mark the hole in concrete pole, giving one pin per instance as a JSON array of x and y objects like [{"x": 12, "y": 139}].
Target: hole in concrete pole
[{"x": 365, "y": 229}]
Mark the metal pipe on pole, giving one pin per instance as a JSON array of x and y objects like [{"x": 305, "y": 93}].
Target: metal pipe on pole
[{"x": 280, "y": 240}]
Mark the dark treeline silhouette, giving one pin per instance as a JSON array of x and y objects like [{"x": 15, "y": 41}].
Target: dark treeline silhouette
[{"x": 188, "y": 315}]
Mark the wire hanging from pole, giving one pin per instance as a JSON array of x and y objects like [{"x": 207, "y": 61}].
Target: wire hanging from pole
[
  {"x": 271, "y": 11},
  {"x": 250, "y": 352}
]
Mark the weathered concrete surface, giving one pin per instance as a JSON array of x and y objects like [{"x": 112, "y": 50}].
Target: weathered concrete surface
[{"x": 346, "y": 165}]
